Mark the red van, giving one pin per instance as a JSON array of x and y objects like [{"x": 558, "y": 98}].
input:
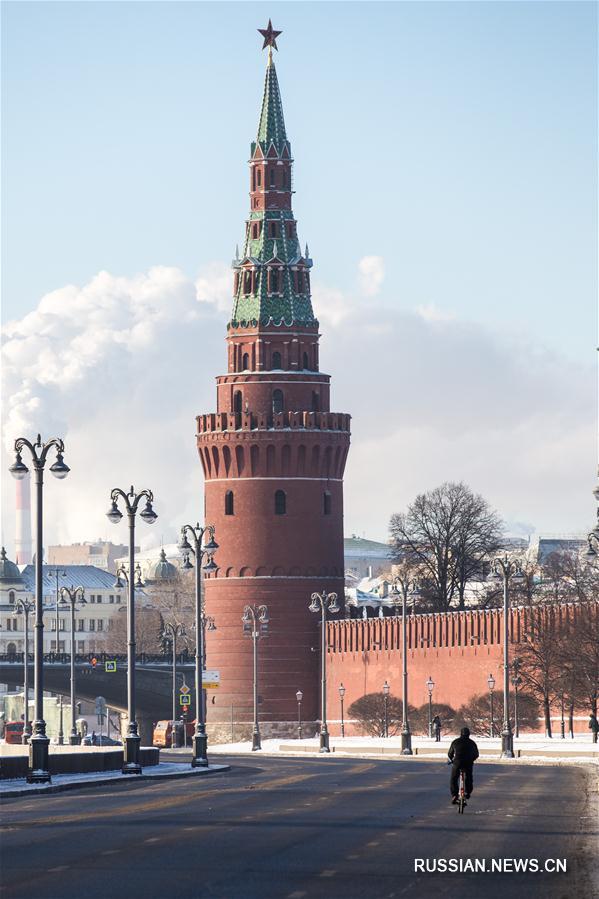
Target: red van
[{"x": 13, "y": 731}]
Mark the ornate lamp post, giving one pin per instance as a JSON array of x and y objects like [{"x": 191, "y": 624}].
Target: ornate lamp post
[
  {"x": 323, "y": 602},
  {"x": 56, "y": 573},
  {"x": 131, "y": 500},
  {"x": 299, "y": 696},
  {"x": 593, "y": 537},
  {"x": 386, "y": 690},
  {"x": 200, "y": 548},
  {"x": 38, "y": 770},
  {"x": 255, "y": 625},
  {"x": 430, "y": 685},
  {"x": 404, "y": 587},
  {"x": 71, "y": 596},
  {"x": 491, "y": 684},
  {"x": 341, "y": 698},
  {"x": 170, "y": 632},
  {"x": 25, "y": 607},
  {"x": 505, "y": 570}
]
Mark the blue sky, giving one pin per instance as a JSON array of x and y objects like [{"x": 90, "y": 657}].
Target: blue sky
[{"x": 453, "y": 146}]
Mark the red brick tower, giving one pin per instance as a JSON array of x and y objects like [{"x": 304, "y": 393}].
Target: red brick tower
[{"x": 273, "y": 457}]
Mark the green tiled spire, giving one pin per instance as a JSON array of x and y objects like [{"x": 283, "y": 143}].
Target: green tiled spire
[{"x": 272, "y": 123}]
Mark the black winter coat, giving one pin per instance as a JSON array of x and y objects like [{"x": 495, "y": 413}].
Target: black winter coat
[{"x": 463, "y": 751}]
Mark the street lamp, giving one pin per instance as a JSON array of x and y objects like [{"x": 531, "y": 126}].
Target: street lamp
[
  {"x": 386, "y": 690},
  {"x": 131, "y": 763},
  {"x": 491, "y": 683},
  {"x": 73, "y": 595},
  {"x": 170, "y": 632},
  {"x": 38, "y": 769},
  {"x": 299, "y": 696},
  {"x": 593, "y": 536},
  {"x": 200, "y": 549},
  {"x": 430, "y": 685},
  {"x": 404, "y": 587},
  {"x": 56, "y": 573},
  {"x": 341, "y": 698},
  {"x": 506, "y": 569},
  {"x": 255, "y": 625},
  {"x": 25, "y": 607},
  {"x": 323, "y": 602}
]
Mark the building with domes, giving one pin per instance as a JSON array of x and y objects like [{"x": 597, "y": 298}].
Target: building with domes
[{"x": 273, "y": 454}]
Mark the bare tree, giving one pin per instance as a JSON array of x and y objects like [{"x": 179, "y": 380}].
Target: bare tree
[
  {"x": 174, "y": 600},
  {"x": 369, "y": 711},
  {"x": 148, "y": 627},
  {"x": 476, "y": 714},
  {"x": 541, "y": 661},
  {"x": 447, "y": 532}
]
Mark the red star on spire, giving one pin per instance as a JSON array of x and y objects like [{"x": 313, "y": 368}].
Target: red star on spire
[{"x": 270, "y": 36}]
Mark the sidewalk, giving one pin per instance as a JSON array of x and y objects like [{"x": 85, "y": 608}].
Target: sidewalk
[{"x": 62, "y": 782}]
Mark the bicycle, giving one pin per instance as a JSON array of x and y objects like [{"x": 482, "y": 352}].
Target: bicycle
[{"x": 462, "y": 794}]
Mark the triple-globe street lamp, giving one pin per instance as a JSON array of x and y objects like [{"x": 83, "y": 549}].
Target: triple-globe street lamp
[
  {"x": 341, "y": 699},
  {"x": 71, "y": 596},
  {"x": 491, "y": 685},
  {"x": 202, "y": 546},
  {"x": 324, "y": 603},
  {"x": 38, "y": 769},
  {"x": 430, "y": 685},
  {"x": 131, "y": 500},
  {"x": 170, "y": 632},
  {"x": 506, "y": 570},
  {"x": 405, "y": 587},
  {"x": 255, "y": 625},
  {"x": 25, "y": 607},
  {"x": 299, "y": 696}
]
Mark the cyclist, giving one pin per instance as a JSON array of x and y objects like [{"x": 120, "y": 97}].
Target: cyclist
[{"x": 462, "y": 754}]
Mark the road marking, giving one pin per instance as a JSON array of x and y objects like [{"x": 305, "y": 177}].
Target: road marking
[
  {"x": 297, "y": 895},
  {"x": 391, "y": 833},
  {"x": 352, "y": 857},
  {"x": 110, "y": 852},
  {"x": 374, "y": 843},
  {"x": 57, "y": 869},
  {"x": 328, "y": 872},
  {"x": 152, "y": 840}
]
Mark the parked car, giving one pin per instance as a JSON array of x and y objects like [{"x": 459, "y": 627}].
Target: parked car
[
  {"x": 101, "y": 740},
  {"x": 163, "y": 733}
]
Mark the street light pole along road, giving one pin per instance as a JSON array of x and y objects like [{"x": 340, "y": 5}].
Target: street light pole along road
[
  {"x": 506, "y": 569},
  {"x": 200, "y": 549},
  {"x": 255, "y": 625},
  {"x": 72, "y": 595},
  {"x": 38, "y": 770},
  {"x": 323, "y": 602},
  {"x": 131, "y": 763},
  {"x": 170, "y": 632},
  {"x": 430, "y": 685},
  {"x": 25, "y": 607},
  {"x": 404, "y": 587}
]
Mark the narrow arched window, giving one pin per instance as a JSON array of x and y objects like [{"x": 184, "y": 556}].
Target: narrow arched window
[
  {"x": 315, "y": 401},
  {"x": 326, "y": 503},
  {"x": 277, "y": 401},
  {"x": 255, "y": 231},
  {"x": 306, "y": 363},
  {"x": 237, "y": 401},
  {"x": 274, "y": 281},
  {"x": 259, "y": 177},
  {"x": 273, "y": 177},
  {"x": 247, "y": 282},
  {"x": 229, "y": 503},
  {"x": 276, "y": 360},
  {"x": 280, "y": 502},
  {"x": 300, "y": 282},
  {"x": 245, "y": 364},
  {"x": 11, "y": 597}
]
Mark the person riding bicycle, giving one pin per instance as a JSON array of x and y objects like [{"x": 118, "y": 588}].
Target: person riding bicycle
[{"x": 462, "y": 754}]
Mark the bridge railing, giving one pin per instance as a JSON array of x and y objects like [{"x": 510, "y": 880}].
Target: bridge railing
[{"x": 98, "y": 659}]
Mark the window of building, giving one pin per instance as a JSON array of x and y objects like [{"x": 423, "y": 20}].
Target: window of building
[
  {"x": 280, "y": 502},
  {"x": 62, "y": 625},
  {"x": 273, "y": 229},
  {"x": 277, "y": 401},
  {"x": 259, "y": 176},
  {"x": 300, "y": 282},
  {"x": 315, "y": 401},
  {"x": 253, "y": 178},
  {"x": 117, "y": 599},
  {"x": 100, "y": 624},
  {"x": 276, "y": 360},
  {"x": 229, "y": 503},
  {"x": 11, "y": 649},
  {"x": 274, "y": 280},
  {"x": 81, "y": 624},
  {"x": 53, "y": 624},
  {"x": 255, "y": 231},
  {"x": 92, "y": 597},
  {"x": 92, "y": 624},
  {"x": 327, "y": 502},
  {"x": 11, "y": 597},
  {"x": 237, "y": 402},
  {"x": 247, "y": 282},
  {"x": 273, "y": 177},
  {"x": 245, "y": 363},
  {"x": 111, "y": 599},
  {"x": 81, "y": 646}
]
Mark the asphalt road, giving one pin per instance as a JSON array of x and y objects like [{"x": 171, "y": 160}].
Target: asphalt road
[{"x": 295, "y": 828}]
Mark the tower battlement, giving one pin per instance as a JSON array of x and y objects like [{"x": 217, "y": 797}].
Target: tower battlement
[{"x": 278, "y": 421}]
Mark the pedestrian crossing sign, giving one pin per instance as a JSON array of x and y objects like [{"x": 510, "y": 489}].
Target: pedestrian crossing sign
[
  {"x": 185, "y": 699},
  {"x": 110, "y": 666}
]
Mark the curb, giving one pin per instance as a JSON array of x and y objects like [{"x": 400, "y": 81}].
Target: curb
[{"x": 107, "y": 781}]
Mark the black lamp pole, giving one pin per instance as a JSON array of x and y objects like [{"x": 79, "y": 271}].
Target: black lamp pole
[
  {"x": 299, "y": 696},
  {"x": 131, "y": 500},
  {"x": 323, "y": 602},
  {"x": 72, "y": 596},
  {"x": 24, "y": 608},
  {"x": 170, "y": 632},
  {"x": 386, "y": 690},
  {"x": 491, "y": 684},
  {"x": 430, "y": 684},
  {"x": 200, "y": 548},
  {"x": 255, "y": 625},
  {"x": 405, "y": 587},
  {"x": 506, "y": 569},
  {"x": 38, "y": 770},
  {"x": 341, "y": 698}
]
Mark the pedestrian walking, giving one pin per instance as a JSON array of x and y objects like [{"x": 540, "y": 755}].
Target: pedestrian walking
[
  {"x": 437, "y": 728},
  {"x": 593, "y": 726}
]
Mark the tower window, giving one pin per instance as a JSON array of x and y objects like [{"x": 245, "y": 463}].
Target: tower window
[
  {"x": 300, "y": 282},
  {"x": 245, "y": 364},
  {"x": 276, "y": 361},
  {"x": 290, "y": 230},
  {"x": 229, "y": 503},
  {"x": 255, "y": 231},
  {"x": 326, "y": 502},
  {"x": 273, "y": 177},
  {"x": 253, "y": 178},
  {"x": 273, "y": 229},
  {"x": 247, "y": 282},
  {"x": 280, "y": 502},
  {"x": 236, "y": 283},
  {"x": 305, "y": 362},
  {"x": 11, "y": 597},
  {"x": 315, "y": 401},
  {"x": 274, "y": 281},
  {"x": 277, "y": 401},
  {"x": 237, "y": 402},
  {"x": 259, "y": 176}
]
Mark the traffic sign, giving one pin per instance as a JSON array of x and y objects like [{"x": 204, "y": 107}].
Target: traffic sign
[
  {"x": 211, "y": 680},
  {"x": 184, "y": 699},
  {"x": 185, "y": 689},
  {"x": 110, "y": 666}
]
